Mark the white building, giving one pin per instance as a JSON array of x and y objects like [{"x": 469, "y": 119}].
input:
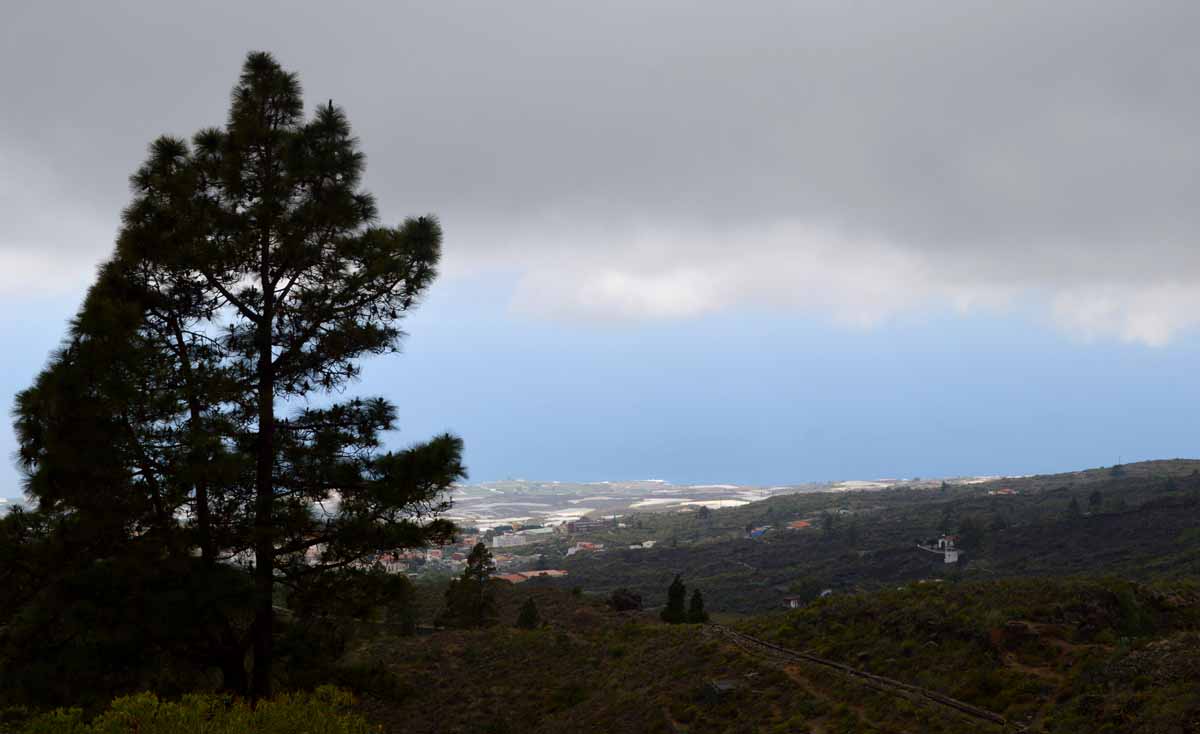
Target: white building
[{"x": 944, "y": 546}]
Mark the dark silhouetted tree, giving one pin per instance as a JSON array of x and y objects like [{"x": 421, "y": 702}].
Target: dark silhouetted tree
[
  {"x": 1073, "y": 511},
  {"x": 528, "y": 617},
  {"x": 696, "y": 613},
  {"x": 250, "y": 274},
  {"x": 1095, "y": 500},
  {"x": 675, "y": 611},
  {"x": 704, "y": 513},
  {"x": 470, "y": 599}
]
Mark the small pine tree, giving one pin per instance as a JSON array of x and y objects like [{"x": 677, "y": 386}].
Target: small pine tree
[
  {"x": 1095, "y": 500},
  {"x": 469, "y": 599},
  {"x": 529, "y": 619},
  {"x": 673, "y": 612},
  {"x": 480, "y": 564},
  {"x": 1073, "y": 510},
  {"x": 696, "y": 613}
]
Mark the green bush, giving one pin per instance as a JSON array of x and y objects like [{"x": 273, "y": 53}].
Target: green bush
[{"x": 324, "y": 711}]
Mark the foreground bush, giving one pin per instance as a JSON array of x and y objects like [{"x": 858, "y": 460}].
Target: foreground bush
[{"x": 325, "y": 711}]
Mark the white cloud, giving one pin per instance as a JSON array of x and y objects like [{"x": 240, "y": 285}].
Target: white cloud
[
  {"x": 854, "y": 280},
  {"x": 1152, "y": 313},
  {"x": 671, "y": 274}
]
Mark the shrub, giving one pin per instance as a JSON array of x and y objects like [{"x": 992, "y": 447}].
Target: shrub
[
  {"x": 624, "y": 600},
  {"x": 324, "y": 711},
  {"x": 529, "y": 618}
]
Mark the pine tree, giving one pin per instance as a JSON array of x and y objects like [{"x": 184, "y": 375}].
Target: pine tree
[
  {"x": 250, "y": 274},
  {"x": 528, "y": 618},
  {"x": 674, "y": 612},
  {"x": 470, "y": 599},
  {"x": 1095, "y": 500},
  {"x": 1073, "y": 511},
  {"x": 696, "y": 613}
]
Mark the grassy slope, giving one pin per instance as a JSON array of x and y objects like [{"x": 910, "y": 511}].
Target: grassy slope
[
  {"x": 1065, "y": 655},
  {"x": 594, "y": 670}
]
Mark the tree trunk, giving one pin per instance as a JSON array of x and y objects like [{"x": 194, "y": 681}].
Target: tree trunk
[
  {"x": 264, "y": 556},
  {"x": 233, "y": 674},
  {"x": 264, "y": 491}
]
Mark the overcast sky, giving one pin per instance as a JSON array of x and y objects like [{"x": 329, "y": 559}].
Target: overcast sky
[{"x": 1009, "y": 186}]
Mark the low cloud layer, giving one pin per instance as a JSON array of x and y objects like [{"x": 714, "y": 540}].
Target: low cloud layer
[
  {"x": 666, "y": 160},
  {"x": 856, "y": 281}
]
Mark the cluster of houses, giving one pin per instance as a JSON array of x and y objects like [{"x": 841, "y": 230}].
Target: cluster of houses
[
  {"x": 448, "y": 558},
  {"x": 452, "y": 558}
]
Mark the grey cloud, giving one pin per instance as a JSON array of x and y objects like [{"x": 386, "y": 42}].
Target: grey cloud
[{"x": 993, "y": 145}]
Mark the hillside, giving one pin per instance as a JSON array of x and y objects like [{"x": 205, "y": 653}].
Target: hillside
[
  {"x": 1075, "y": 607},
  {"x": 1059, "y": 655},
  {"x": 1041, "y": 655},
  {"x": 1053, "y": 655},
  {"x": 607, "y": 672},
  {"x": 1136, "y": 521}
]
